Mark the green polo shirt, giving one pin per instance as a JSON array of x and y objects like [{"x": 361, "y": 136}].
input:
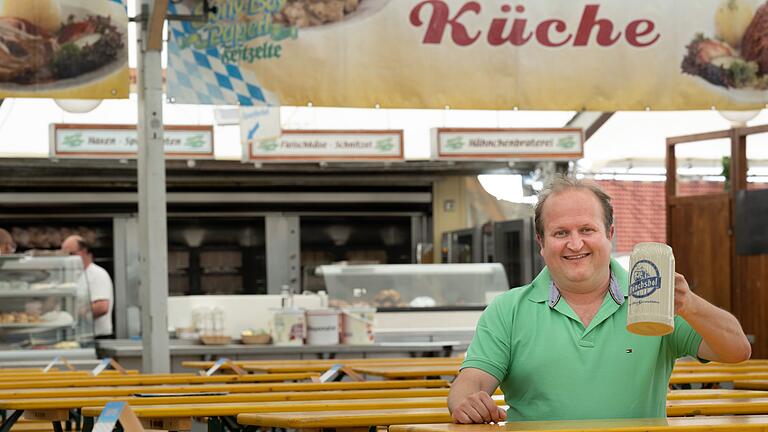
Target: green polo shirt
[{"x": 551, "y": 368}]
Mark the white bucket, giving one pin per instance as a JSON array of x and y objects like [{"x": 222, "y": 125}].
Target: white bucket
[
  {"x": 323, "y": 327},
  {"x": 357, "y": 325},
  {"x": 288, "y": 327},
  {"x": 651, "y": 310}
]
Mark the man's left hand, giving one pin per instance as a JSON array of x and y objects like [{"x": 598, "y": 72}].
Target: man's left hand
[{"x": 684, "y": 297}]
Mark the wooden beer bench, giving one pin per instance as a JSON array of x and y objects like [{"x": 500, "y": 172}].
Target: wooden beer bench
[{"x": 687, "y": 424}]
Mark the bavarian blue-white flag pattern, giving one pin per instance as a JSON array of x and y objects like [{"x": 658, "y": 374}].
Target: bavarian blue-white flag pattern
[{"x": 199, "y": 75}]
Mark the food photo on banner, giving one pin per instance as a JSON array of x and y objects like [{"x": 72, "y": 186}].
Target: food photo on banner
[
  {"x": 605, "y": 55},
  {"x": 70, "y": 49}
]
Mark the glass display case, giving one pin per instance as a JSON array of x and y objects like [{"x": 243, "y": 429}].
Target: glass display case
[
  {"x": 45, "y": 302},
  {"x": 409, "y": 286}
]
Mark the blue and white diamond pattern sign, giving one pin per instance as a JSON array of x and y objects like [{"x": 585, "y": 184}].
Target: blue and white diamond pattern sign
[{"x": 202, "y": 67}]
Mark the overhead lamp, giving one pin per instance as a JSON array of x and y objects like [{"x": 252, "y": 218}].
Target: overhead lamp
[
  {"x": 77, "y": 106},
  {"x": 739, "y": 118}
]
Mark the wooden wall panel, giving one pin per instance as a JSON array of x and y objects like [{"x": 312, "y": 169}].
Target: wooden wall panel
[
  {"x": 701, "y": 241},
  {"x": 750, "y": 299}
]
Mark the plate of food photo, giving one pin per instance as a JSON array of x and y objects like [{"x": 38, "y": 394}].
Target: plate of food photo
[
  {"x": 324, "y": 14},
  {"x": 733, "y": 62},
  {"x": 50, "y": 45}
]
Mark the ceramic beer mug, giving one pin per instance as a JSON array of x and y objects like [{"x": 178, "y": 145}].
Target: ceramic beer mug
[{"x": 651, "y": 290}]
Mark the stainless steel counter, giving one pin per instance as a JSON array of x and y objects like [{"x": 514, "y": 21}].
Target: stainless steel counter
[{"x": 128, "y": 352}]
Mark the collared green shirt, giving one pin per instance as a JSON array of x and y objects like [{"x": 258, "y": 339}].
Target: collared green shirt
[{"x": 551, "y": 368}]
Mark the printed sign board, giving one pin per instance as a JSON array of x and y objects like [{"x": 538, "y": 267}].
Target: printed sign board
[
  {"x": 330, "y": 145},
  {"x": 121, "y": 141},
  {"x": 602, "y": 55},
  {"x": 505, "y": 144}
]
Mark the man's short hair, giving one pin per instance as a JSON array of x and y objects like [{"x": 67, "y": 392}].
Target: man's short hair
[
  {"x": 6, "y": 239},
  {"x": 81, "y": 243},
  {"x": 562, "y": 183}
]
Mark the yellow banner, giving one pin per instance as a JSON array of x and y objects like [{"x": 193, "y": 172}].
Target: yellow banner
[
  {"x": 602, "y": 55},
  {"x": 68, "y": 49}
]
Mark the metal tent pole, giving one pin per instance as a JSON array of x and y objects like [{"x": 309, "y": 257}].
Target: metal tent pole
[{"x": 153, "y": 292}]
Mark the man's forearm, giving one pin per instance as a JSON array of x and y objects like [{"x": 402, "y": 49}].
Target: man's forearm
[{"x": 724, "y": 338}]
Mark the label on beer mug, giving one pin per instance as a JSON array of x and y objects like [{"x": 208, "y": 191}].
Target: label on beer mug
[{"x": 651, "y": 308}]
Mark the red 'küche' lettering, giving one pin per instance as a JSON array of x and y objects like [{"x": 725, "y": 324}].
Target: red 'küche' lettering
[
  {"x": 439, "y": 20},
  {"x": 513, "y": 30}
]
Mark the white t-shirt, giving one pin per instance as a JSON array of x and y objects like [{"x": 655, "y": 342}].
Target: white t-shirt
[{"x": 100, "y": 287}]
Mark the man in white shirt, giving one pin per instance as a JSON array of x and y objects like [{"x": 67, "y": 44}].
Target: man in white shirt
[{"x": 99, "y": 285}]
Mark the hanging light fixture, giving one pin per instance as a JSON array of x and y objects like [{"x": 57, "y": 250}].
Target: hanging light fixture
[{"x": 77, "y": 106}]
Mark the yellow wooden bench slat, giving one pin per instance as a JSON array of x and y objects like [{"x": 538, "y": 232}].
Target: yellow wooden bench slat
[
  {"x": 407, "y": 371},
  {"x": 231, "y": 409},
  {"x": 321, "y": 367},
  {"x": 32, "y": 427},
  {"x": 677, "y": 408},
  {"x": 68, "y": 403},
  {"x": 714, "y": 394},
  {"x": 78, "y": 375},
  {"x": 688, "y": 424},
  {"x": 231, "y": 388},
  {"x": 149, "y": 380},
  {"x": 197, "y": 364},
  {"x": 337, "y": 419},
  {"x": 751, "y": 384},
  {"x": 714, "y": 377},
  {"x": 720, "y": 369}
]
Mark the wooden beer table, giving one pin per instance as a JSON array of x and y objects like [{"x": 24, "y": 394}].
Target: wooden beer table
[
  {"x": 416, "y": 371},
  {"x": 331, "y": 362},
  {"x": 355, "y": 363},
  {"x": 56, "y": 407},
  {"x": 230, "y": 388},
  {"x": 378, "y": 417},
  {"x": 124, "y": 380},
  {"x": 687, "y": 424},
  {"x": 163, "y": 417}
]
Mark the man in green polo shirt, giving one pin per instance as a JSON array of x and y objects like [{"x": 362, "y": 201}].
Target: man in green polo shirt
[{"x": 559, "y": 348}]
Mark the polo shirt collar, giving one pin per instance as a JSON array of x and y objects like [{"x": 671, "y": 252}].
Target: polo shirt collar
[{"x": 544, "y": 289}]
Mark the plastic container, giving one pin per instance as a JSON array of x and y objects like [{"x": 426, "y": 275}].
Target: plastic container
[
  {"x": 357, "y": 325},
  {"x": 651, "y": 290},
  {"x": 323, "y": 327},
  {"x": 289, "y": 327}
]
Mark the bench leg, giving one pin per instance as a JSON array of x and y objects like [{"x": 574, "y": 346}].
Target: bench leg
[
  {"x": 10, "y": 421},
  {"x": 229, "y": 423},
  {"x": 87, "y": 424}
]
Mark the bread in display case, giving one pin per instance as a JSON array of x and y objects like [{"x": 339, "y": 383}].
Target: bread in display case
[
  {"x": 44, "y": 302},
  {"x": 413, "y": 286}
]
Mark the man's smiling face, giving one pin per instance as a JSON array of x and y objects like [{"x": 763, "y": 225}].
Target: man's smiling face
[{"x": 576, "y": 245}]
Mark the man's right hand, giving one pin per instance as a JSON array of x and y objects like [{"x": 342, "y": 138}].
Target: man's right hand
[{"x": 478, "y": 407}]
